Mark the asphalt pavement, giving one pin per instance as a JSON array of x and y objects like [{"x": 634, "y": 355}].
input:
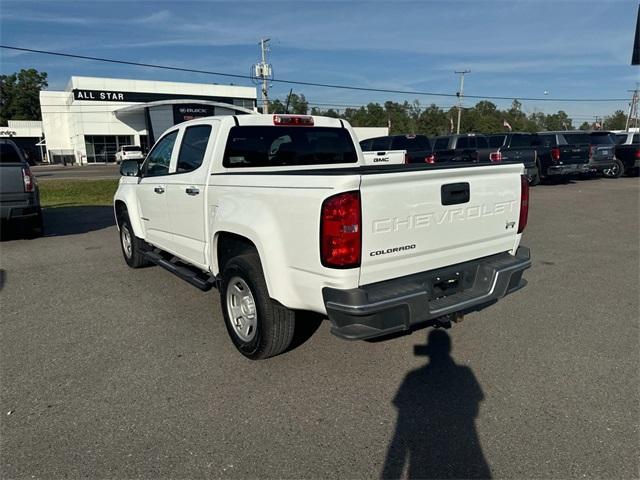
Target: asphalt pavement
[
  {"x": 109, "y": 372},
  {"x": 78, "y": 172}
]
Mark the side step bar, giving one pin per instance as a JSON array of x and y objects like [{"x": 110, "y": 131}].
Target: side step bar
[{"x": 195, "y": 277}]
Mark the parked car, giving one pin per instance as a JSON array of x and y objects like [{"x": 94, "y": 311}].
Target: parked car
[
  {"x": 462, "y": 148},
  {"x": 129, "y": 152},
  {"x": 627, "y": 155},
  {"x": 279, "y": 213},
  {"x": 19, "y": 194},
  {"x": 601, "y": 148},
  {"x": 417, "y": 148},
  {"x": 516, "y": 147},
  {"x": 557, "y": 158}
]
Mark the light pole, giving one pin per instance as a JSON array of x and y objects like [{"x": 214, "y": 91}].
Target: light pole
[{"x": 460, "y": 94}]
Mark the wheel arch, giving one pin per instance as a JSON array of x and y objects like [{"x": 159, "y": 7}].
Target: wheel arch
[{"x": 120, "y": 207}]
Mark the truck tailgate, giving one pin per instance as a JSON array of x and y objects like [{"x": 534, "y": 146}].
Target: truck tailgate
[{"x": 423, "y": 219}]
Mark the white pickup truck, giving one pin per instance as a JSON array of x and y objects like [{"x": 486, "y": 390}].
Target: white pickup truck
[{"x": 280, "y": 214}]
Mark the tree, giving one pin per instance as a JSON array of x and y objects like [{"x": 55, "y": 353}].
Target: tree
[
  {"x": 585, "y": 126},
  {"x": 617, "y": 121},
  {"x": 20, "y": 95}
]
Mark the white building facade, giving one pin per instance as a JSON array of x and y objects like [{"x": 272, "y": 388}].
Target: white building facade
[{"x": 93, "y": 117}]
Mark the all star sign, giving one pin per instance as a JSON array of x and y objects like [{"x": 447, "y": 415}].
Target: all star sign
[{"x": 98, "y": 95}]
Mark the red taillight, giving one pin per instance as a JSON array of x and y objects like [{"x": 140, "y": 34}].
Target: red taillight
[
  {"x": 555, "y": 154},
  {"x": 638, "y": 153},
  {"x": 495, "y": 156},
  {"x": 340, "y": 231},
  {"x": 28, "y": 179},
  {"x": 431, "y": 158},
  {"x": 524, "y": 203},
  {"x": 293, "y": 120}
]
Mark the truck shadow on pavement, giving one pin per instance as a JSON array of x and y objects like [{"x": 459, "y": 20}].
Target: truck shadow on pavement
[
  {"x": 437, "y": 404},
  {"x": 62, "y": 221}
]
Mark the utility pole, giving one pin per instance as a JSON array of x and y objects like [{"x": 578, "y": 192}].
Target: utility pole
[
  {"x": 633, "y": 108},
  {"x": 262, "y": 71},
  {"x": 460, "y": 94}
]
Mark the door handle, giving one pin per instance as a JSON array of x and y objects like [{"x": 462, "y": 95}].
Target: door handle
[
  {"x": 159, "y": 190},
  {"x": 192, "y": 191}
]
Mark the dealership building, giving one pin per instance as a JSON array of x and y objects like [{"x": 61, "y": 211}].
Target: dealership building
[{"x": 93, "y": 117}]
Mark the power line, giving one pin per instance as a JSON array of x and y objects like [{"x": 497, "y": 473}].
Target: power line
[{"x": 310, "y": 84}]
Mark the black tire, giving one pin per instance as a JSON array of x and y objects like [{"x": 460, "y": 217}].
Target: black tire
[
  {"x": 274, "y": 323},
  {"x": 135, "y": 256},
  {"x": 535, "y": 178},
  {"x": 36, "y": 226},
  {"x": 616, "y": 171}
]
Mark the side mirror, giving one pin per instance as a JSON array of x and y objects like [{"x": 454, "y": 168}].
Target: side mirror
[{"x": 130, "y": 168}]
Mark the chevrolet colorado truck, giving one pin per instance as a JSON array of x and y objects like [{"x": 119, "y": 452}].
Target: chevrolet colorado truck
[{"x": 279, "y": 213}]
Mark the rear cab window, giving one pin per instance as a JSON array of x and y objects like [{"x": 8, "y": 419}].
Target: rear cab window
[
  {"x": 601, "y": 139},
  {"x": 380, "y": 143},
  {"x": 265, "y": 146},
  {"x": 521, "y": 140},
  {"x": 496, "y": 141},
  {"x": 131, "y": 148},
  {"x": 441, "y": 143},
  {"x": 577, "y": 138},
  {"x": 9, "y": 154},
  {"x": 481, "y": 142},
  {"x": 411, "y": 143}
]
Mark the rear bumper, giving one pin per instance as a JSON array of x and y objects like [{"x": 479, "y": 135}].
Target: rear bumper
[
  {"x": 15, "y": 209},
  {"x": 396, "y": 305},
  {"x": 600, "y": 165},
  {"x": 567, "y": 169}
]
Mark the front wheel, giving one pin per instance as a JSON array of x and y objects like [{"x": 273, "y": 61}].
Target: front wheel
[
  {"x": 132, "y": 246},
  {"x": 259, "y": 326},
  {"x": 615, "y": 171}
]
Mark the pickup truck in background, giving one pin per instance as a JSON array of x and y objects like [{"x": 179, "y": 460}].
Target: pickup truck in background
[
  {"x": 558, "y": 158},
  {"x": 601, "y": 148},
  {"x": 516, "y": 147},
  {"x": 627, "y": 155},
  {"x": 462, "y": 148},
  {"x": 19, "y": 194},
  {"x": 280, "y": 214},
  {"x": 417, "y": 148}
]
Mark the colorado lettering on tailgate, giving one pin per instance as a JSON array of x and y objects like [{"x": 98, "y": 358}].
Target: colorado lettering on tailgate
[
  {"x": 424, "y": 220},
  {"x": 375, "y": 253}
]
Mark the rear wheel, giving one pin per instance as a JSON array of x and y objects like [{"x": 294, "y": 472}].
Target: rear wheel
[
  {"x": 132, "y": 246},
  {"x": 535, "y": 177},
  {"x": 259, "y": 326},
  {"x": 615, "y": 171}
]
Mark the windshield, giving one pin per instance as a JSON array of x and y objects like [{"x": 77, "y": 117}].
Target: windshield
[{"x": 131, "y": 148}]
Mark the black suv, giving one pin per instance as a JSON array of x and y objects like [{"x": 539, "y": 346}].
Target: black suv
[
  {"x": 601, "y": 145},
  {"x": 418, "y": 147}
]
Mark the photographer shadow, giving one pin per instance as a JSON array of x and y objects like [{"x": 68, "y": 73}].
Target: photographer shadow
[{"x": 437, "y": 404}]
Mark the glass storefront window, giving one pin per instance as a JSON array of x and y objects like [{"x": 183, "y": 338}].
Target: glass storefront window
[{"x": 103, "y": 148}]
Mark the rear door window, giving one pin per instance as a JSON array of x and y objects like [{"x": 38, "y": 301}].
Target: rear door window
[
  {"x": 262, "y": 146},
  {"x": 365, "y": 145},
  {"x": 636, "y": 138},
  {"x": 194, "y": 144},
  {"x": 158, "y": 160}
]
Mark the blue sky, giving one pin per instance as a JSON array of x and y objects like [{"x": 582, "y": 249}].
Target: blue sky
[{"x": 571, "y": 49}]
